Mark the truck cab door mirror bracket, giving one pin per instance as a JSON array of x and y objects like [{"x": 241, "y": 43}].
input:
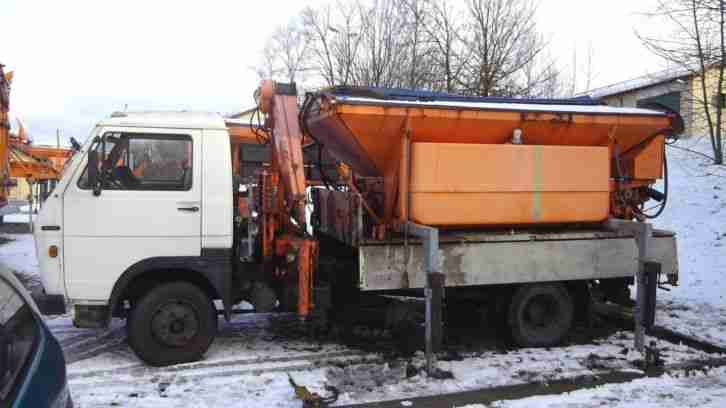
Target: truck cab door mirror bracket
[{"x": 95, "y": 178}]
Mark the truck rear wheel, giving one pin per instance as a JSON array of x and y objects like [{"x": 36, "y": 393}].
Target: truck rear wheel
[
  {"x": 173, "y": 323},
  {"x": 540, "y": 315}
]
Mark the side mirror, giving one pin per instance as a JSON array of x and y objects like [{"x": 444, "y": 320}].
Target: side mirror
[
  {"x": 93, "y": 172},
  {"x": 75, "y": 145}
]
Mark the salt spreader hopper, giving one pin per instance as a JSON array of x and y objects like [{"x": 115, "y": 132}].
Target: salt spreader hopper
[{"x": 451, "y": 161}]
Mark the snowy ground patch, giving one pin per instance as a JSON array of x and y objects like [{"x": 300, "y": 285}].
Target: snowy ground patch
[{"x": 671, "y": 391}]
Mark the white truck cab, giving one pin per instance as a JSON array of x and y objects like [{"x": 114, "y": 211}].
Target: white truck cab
[{"x": 165, "y": 204}]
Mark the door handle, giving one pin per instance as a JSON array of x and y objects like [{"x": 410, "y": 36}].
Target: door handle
[{"x": 188, "y": 209}]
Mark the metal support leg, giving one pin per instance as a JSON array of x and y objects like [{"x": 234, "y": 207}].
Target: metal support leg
[
  {"x": 434, "y": 290},
  {"x": 643, "y": 233}
]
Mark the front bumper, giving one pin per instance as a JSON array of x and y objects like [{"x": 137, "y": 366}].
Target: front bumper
[{"x": 50, "y": 304}]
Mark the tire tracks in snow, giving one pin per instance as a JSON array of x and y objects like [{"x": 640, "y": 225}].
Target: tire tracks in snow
[
  {"x": 130, "y": 377},
  {"x": 81, "y": 344},
  {"x": 89, "y": 345}
]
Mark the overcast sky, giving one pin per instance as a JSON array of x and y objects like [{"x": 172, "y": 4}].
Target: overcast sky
[{"x": 77, "y": 61}]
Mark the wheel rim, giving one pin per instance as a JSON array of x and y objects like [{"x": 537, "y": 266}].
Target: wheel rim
[
  {"x": 541, "y": 312},
  {"x": 175, "y": 323}
]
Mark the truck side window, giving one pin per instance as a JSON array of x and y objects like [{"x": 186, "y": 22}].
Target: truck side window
[
  {"x": 18, "y": 337},
  {"x": 137, "y": 161}
]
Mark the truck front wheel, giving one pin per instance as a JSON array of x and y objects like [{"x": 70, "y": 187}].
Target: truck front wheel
[
  {"x": 540, "y": 315},
  {"x": 173, "y": 323}
]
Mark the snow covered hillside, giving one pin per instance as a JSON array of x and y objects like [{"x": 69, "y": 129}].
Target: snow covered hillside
[{"x": 696, "y": 211}]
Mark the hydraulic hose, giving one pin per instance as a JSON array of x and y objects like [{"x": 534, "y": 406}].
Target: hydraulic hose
[{"x": 663, "y": 203}]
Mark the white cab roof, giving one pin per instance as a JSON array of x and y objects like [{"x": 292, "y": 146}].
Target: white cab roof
[{"x": 166, "y": 119}]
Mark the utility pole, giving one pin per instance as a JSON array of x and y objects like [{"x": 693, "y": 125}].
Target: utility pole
[{"x": 57, "y": 138}]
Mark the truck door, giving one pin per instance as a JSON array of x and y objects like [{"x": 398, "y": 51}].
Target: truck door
[{"x": 149, "y": 206}]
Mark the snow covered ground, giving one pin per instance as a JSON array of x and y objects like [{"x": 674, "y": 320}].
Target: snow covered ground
[
  {"x": 697, "y": 212},
  {"x": 697, "y": 390},
  {"x": 249, "y": 363}
]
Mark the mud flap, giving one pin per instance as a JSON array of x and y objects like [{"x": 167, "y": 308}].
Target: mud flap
[
  {"x": 651, "y": 272},
  {"x": 436, "y": 286}
]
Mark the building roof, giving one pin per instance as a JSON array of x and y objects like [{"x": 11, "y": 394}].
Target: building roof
[
  {"x": 166, "y": 119},
  {"x": 641, "y": 82},
  {"x": 245, "y": 114}
]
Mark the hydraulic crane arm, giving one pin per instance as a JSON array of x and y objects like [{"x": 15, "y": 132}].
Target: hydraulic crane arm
[
  {"x": 279, "y": 104},
  {"x": 283, "y": 193}
]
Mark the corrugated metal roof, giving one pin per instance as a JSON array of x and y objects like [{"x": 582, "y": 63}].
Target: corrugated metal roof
[{"x": 639, "y": 83}]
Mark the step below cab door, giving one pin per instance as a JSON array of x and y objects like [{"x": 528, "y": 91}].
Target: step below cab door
[{"x": 150, "y": 205}]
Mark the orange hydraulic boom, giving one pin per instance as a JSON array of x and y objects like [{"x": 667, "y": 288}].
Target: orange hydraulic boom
[{"x": 282, "y": 189}]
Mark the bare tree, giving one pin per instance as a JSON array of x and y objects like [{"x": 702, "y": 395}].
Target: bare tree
[
  {"x": 582, "y": 74},
  {"x": 335, "y": 35},
  {"x": 444, "y": 34},
  {"x": 285, "y": 53},
  {"x": 414, "y": 16},
  {"x": 696, "y": 46},
  {"x": 504, "y": 41},
  {"x": 589, "y": 69},
  {"x": 319, "y": 30},
  {"x": 382, "y": 47},
  {"x": 482, "y": 47},
  {"x": 541, "y": 78}
]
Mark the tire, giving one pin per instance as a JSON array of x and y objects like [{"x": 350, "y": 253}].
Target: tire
[
  {"x": 540, "y": 315},
  {"x": 173, "y": 323},
  {"x": 617, "y": 291}
]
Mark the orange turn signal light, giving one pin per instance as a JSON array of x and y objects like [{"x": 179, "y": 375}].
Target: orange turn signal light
[{"x": 53, "y": 251}]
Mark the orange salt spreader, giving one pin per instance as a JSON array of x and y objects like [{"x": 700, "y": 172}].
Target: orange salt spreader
[{"x": 451, "y": 161}]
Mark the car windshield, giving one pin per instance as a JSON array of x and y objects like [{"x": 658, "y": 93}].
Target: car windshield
[{"x": 18, "y": 333}]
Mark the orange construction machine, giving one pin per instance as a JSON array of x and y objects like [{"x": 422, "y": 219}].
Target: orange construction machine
[
  {"x": 488, "y": 197},
  {"x": 5, "y": 79},
  {"x": 33, "y": 162},
  {"x": 40, "y": 166}
]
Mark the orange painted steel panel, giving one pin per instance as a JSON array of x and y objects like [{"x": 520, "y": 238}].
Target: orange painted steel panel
[
  {"x": 647, "y": 163},
  {"x": 368, "y": 136},
  {"x": 504, "y": 184},
  {"x": 240, "y": 134},
  {"x": 365, "y": 137}
]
